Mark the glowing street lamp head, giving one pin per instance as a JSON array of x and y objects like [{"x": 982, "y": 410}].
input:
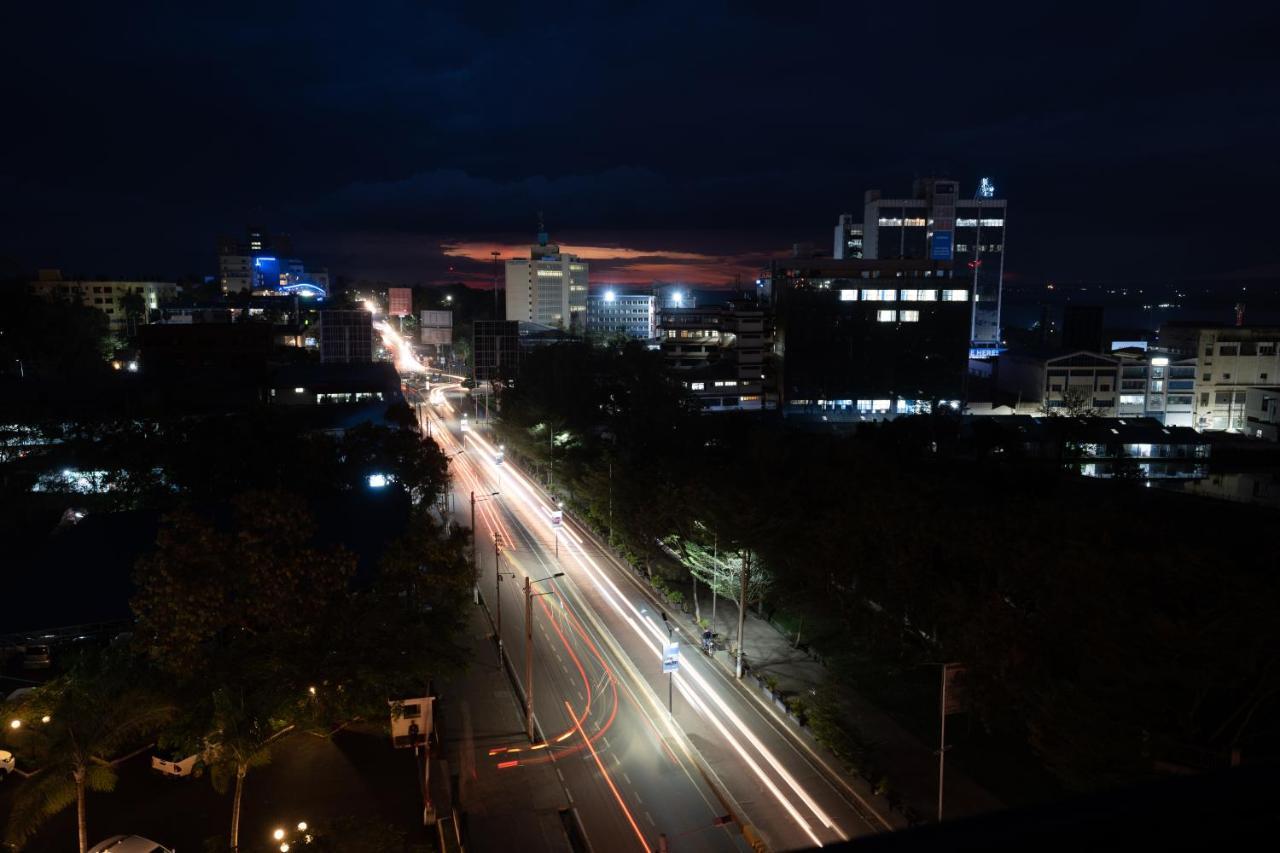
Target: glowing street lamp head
[
  {"x": 609, "y": 296},
  {"x": 278, "y": 834},
  {"x": 677, "y": 298}
]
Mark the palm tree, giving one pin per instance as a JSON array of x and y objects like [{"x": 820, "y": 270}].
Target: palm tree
[
  {"x": 241, "y": 740},
  {"x": 69, "y": 730}
]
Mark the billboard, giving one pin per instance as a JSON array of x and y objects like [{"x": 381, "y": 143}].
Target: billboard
[
  {"x": 941, "y": 249},
  {"x": 437, "y": 319},
  {"x": 399, "y": 301}
]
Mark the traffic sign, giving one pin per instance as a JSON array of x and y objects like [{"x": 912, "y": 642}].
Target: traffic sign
[
  {"x": 671, "y": 658},
  {"x": 557, "y": 518}
]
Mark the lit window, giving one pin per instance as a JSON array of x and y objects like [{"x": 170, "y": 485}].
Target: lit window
[
  {"x": 909, "y": 316},
  {"x": 955, "y": 296},
  {"x": 886, "y": 316},
  {"x": 966, "y": 223},
  {"x": 919, "y": 296},
  {"x": 698, "y": 386},
  {"x": 1132, "y": 399},
  {"x": 914, "y": 223},
  {"x": 848, "y": 296},
  {"x": 892, "y": 222},
  {"x": 991, "y": 223},
  {"x": 879, "y": 295}
]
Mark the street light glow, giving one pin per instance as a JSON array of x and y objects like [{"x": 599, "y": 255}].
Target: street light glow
[
  {"x": 278, "y": 834},
  {"x": 15, "y": 724}
]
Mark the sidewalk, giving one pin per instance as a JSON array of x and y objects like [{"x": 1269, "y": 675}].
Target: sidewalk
[
  {"x": 500, "y": 810},
  {"x": 911, "y": 766}
]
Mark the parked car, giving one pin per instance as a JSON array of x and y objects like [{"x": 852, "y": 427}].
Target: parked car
[
  {"x": 7, "y": 763},
  {"x": 129, "y": 844},
  {"x": 37, "y": 656},
  {"x": 179, "y": 765}
]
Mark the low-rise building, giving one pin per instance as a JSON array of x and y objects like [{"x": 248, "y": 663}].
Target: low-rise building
[
  {"x": 112, "y": 298},
  {"x": 1136, "y": 448},
  {"x": 632, "y": 315},
  {"x": 718, "y": 352},
  {"x": 1262, "y": 413},
  {"x": 1230, "y": 360},
  {"x": 1068, "y": 383}
]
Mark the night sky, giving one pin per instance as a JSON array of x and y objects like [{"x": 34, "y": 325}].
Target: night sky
[{"x": 684, "y": 141}]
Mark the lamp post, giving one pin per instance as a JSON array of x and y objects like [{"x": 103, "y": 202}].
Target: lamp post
[
  {"x": 556, "y": 521},
  {"x": 497, "y": 586},
  {"x": 670, "y": 675},
  {"x": 528, "y": 649}
]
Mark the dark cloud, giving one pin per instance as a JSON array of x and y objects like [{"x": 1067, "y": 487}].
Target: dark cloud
[{"x": 1131, "y": 139}]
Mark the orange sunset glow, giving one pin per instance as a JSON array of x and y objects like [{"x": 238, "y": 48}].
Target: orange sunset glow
[{"x": 624, "y": 265}]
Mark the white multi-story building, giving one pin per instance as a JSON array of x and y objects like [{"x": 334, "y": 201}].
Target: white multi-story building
[
  {"x": 631, "y": 314},
  {"x": 1230, "y": 362},
  {"x": 548, "y": 287},
  {"x": 1158, "y": 385},
  {"x": 109, "y": 297}
]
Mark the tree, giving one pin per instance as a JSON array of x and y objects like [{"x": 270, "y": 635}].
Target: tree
[
  {"x": 1077, "y": 402},
  {"x": 72, "y": 729},
  {"x": 236, "y": 616}
]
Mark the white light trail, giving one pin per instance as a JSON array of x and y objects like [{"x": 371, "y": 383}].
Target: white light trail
[{"x": 616, "y": 599}]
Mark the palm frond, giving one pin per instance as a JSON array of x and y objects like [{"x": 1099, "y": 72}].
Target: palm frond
[{"x": 35, "y": 801}]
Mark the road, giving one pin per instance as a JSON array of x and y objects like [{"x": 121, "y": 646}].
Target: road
[
  {"x": 632, "y": 769},
  {"x": 598, "y": 644}
]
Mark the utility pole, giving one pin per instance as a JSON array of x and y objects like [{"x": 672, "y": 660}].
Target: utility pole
[
  {"x": 942, "y": 738},
  {"x": 742, "y": 605},
  {"x": 475, "y": 566},
  {"x": 611, "y": 504},
  {"x": 528, "y": 658},
  {"x": 495, "y": 255},
  {"x": 528, "y": 649},
  {"x": 497, "y": 585}
]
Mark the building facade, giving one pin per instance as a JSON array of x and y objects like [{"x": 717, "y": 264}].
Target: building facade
[
  {"x": 1061, "y": 383},
  {"x": 718, "y": 352},
  {"x": 115, "y": 299},
  {"x": 549, "y": 287},
  {"x": 848, "y": 239},
  {"x": 1157, "y": 385},
  {"x": 869, "y": 340},
  {"x": 936, "y": 224},
  {"x": 345, "y": 336},
  {"x": 496, "y": 345},
  {"x": 1229, "y": 361},
  {"x": 633, "y": 315}
]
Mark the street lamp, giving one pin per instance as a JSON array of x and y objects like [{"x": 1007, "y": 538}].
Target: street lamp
[
  {"x": 557, "y": 518},
  {"x": 670, "y": 675},
  {"x": 528, "y": 648},
  {"x": 497, "y": 586}
]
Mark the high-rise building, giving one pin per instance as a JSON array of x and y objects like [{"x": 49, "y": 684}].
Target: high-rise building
[
  {"x": 346, "y": 336},
  {"x": 549, "y": 288},
  {"x": 936, "y": 224},
  {"x": 718, "y": 352},
  {"x": 260, "y": 263},
  {"x": 868, "y": 340},
  {"x": 631, "y": 314},
  {"x": 848, "y": 242}
]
